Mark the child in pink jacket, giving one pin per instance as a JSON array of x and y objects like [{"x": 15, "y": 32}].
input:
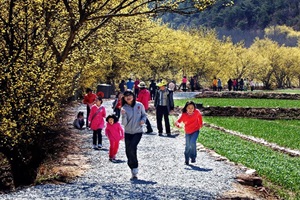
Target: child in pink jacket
[
  {"x": 96, "y": 122},
  {"x": 115, "y": 132}
]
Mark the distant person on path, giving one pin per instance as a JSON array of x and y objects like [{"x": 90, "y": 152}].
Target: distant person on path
[
  {"x": 117, "y": 104},
  {"x": 172, "y": 86},
  {"x": 136, "y": 87},
  {"x": 192, "y": 83},
  {"x": 115, "y": 132},
  {"x": 152, "y": 89},
  {"x": 235, "y": 84},
  {"x": 144, "y": 98},
  {"x": 122, "y": 86},
  {"x": 241, "y": 84},
  {"x": 229, "y": 84},
  {"x": 192, "y": 119},
  {"x": 133, "y": 118},
  {"x": 252, "y": 85},
  {"x": 219, "y": 85},
  {"x": 215, "y": 83},
  {"x": 130, "y": 84},
  {"x": 89, "y": 100},
  {"x": 183, "y": 83},
  {"x": 96, "y": 121},
  {"x": 163, "y": 103}
]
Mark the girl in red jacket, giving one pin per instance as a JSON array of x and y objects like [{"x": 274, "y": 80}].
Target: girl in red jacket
[
  {"x": 192, "y": 119},
  {"x": 115, "y": 132}
]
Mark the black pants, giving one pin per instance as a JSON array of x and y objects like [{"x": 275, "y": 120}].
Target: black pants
[
  {"x": 131, "y": 143},
  {"x": 97, "y": 135},
  {"x": 149, "y": 127},
  {"x": 88, "y": 110},
  {"x": 162, "y": 111}
]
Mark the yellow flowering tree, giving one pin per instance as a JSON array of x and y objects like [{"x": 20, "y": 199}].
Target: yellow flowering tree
[{"x": 44, "y": 52}]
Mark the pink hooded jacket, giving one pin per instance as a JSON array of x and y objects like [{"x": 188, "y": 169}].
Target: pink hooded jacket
[
  {"x": 98, "y": 120},
  {"x": 114, "y": 132}
]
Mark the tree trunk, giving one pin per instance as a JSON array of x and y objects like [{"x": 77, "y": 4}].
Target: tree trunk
[{"x": 24, "y": 163}]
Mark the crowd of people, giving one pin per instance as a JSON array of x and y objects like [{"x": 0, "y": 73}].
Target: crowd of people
[
  {"x": 233, "y": 84},
  {"x": 131, "y": 106}
]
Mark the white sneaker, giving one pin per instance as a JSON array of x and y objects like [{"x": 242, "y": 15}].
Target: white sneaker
[
  {"x": 99, "y": 146},
  {"x": 95, "y": 147},
  {"x": 134, "y": 173}
]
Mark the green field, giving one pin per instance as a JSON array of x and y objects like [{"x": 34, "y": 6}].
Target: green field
[
  {"x": 285, "y": 133},
  {"x": 279, "y": 171},
  {"x": 237, "y": 102},
  {"x": 277, "y": 168}
]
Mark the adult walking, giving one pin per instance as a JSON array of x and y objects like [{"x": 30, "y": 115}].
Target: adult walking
[
  {"x": 122, "y": 86},
  {"x": 89, "y": 100},
  {"x": 152, "y": 89},
  {"x": 144, "y": 98},
  {"x": 163, "y": 103},
  {"x": 133, "y": 118}
]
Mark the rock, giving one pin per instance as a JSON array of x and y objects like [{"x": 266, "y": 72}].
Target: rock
[{"x": 251, "y": 180}]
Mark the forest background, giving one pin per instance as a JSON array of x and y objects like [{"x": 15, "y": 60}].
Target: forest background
[{"x": 51, "y": 49}]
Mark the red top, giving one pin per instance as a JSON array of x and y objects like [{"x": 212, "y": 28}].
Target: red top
[
  {"x": 136, "y": 84},
  {"x": 119, "y": 104},
  {"x": 89, "y": 98},
  {"x": 144, "y": 97},
  {"x": 191, "y": 122}
]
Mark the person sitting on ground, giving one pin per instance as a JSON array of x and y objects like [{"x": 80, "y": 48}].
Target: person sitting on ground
[{"x": 79, "y": 121}]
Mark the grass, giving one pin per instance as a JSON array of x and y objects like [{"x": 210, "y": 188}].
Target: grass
[
  {"x": 285, "y": 133},
  {"x": 256, "y": 103},
  {"x": 288, "y": 91},
  {"x": 280, "y": 169}
]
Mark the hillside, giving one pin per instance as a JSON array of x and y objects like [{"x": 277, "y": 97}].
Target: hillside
[{"x": 246, "y": 17}]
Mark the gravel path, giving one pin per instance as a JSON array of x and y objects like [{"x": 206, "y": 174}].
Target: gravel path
[{"x": 162, "y": 173}]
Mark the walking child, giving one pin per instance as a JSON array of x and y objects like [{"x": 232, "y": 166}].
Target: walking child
[
  {"x": 191, "y": 117},
  {"x": 115, "y": 132},
  {"x": 96, "y": 121},
  {"x": 133, "y": 117}
]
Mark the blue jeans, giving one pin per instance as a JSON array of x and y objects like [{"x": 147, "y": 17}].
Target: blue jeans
[{"x": 190, "y": 146}]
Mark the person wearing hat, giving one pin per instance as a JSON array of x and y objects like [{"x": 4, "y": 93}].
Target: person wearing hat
[
  {"x": 144, "y": 97},
  {"x": 163, "y": 103},
  {"x": 133, "y": 118}
]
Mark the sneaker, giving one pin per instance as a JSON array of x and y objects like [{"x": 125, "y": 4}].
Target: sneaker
[
  {"x": 134, "y": 173},
  {"x": 149, "y": 131},
  {"x": 160, "y": 134},
  {"x": 193, "y": 160},
  {"x": 95, "y": 147},
  {"x": 99, "y": 146},
  {"x": 113, "y": 160}
]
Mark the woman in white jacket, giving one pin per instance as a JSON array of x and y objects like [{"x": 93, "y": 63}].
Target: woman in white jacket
[{"x": 133, "y": 119}]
